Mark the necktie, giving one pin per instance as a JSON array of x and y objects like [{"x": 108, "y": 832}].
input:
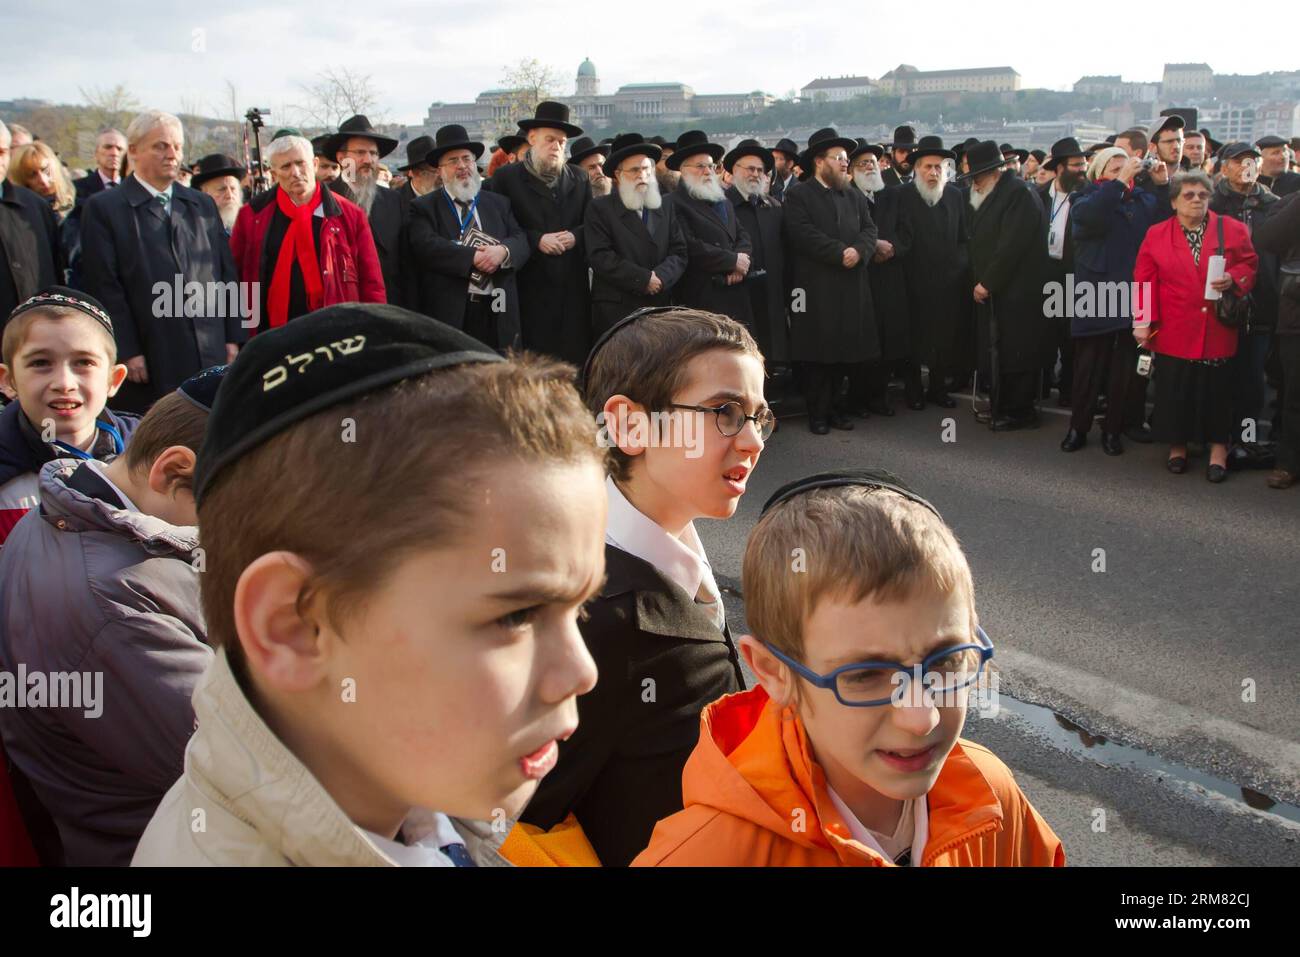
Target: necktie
[
  {"x": 645, "y": 217},
  {"x": 458, "y": 854},
  {"x": 162, "y": 201}
]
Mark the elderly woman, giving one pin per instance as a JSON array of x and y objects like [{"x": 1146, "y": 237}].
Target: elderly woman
[
  {"x": 1108, "y": 219},
  {"x": 1181, "y": 326},
  {"x": 36, "y": 167}
]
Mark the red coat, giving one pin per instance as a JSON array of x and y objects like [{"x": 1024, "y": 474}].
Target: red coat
[
  {"x": 349, "y": 263},
  {"x": 1176, "y": 305}
]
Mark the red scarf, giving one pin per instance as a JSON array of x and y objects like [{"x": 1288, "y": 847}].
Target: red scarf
[{"x": 297, "y": 245}]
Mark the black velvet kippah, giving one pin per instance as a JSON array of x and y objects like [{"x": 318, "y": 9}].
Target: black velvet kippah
[
  {"x": 286, "y": 374},
  {"x": 872, "y": 478},
  {"x": 68, "y": 299},
  {"x": 201, "y": 388}
]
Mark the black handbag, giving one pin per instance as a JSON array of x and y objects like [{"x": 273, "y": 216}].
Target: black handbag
[{"x": 1234, "y": 311}]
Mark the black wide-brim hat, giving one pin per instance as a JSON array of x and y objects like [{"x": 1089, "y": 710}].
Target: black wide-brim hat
[
  {"x": 749, "y": 148},
  {"x": 583, "y": 147},
  {"x": 983, "y": 157},
  {"x": 214, "y": 165},
  {"x": 511, "y": 142},
  {"x": 904, "y": 138},
  {"x": 821, "y": 141},
  {"x": 692, "y": 143},
  {"x": 788, "y": 147},
  {"x": 452, "y": 137},
  {"x": 359, "y": 125},
  {"x": 320, "y": 147},
  {"x": 1063, "y": 149},
  {"x": 416, "y": 151},
  {"x": 552, "y": 115},
  {"x": 930, "y": 146},
  {"x": 1015, "y": 151},
  {"x": 875, "y": 149},
  {"x": 627, "y": 145},
  {"x": 1211, "y": 144}
]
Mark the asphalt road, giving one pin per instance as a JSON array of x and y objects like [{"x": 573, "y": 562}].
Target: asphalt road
[{"x": 1185, "y": 649}]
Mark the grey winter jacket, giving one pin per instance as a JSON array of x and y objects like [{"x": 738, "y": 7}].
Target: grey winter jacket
[{"x": 101, "y": 604}]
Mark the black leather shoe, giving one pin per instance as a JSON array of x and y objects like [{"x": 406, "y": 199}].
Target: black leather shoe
[
  {"x": 1111, "y": 444},
  {"x": 1177, "y": 464},
  {"x": 984, "y": 417},
  {"x": 916, "y": 405},
  {"x": 818, "y": 426},
  {"x": 841, "y": 422},
  {"x": 1216, "y": 473},
  {"x": 1014, "y": 423},
  {"x": 943, "y": 401},
  {"x": 880, "y": 407},
  {"x": 1075, "y": 440},
  {"x": 1141, "y": 434}
]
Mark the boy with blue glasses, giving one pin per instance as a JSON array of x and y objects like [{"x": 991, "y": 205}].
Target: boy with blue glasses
[{"x": 867, "y": 648}]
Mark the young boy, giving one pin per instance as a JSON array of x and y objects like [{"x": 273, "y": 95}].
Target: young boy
[
  {"x": 838, "y": 759},
  {"x": 393, "y": 606},
  {"x": 60, "y": 363},
  {"x": 100, "y": 583},
  {"x": 680, "y": 396}
]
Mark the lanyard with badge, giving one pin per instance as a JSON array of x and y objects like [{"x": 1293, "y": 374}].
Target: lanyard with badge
[
  {"x": 76, "y": 453},
  {"x": 469, "y": 215},
  {"x": 1051, "y": 227}
]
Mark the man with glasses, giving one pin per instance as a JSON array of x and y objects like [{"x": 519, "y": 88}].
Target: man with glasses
[
  {"x": 718, "y": 248},
  {"x": 1067, "y": 159},
  {"x": 1164, "y": 159},
  {"x": 830, "y": 237},
  {"x": 635, "y": 244},
  {"x": 467, "y": 247},
  {"x": 359, "y": 147},
  {"x": 751, "y": 167}
]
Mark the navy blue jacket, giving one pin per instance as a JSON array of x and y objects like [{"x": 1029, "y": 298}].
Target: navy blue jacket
[{"x": 1108, "y": 223}]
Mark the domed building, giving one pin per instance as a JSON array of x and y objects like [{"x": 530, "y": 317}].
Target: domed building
[{"x": 587, "y": 83}]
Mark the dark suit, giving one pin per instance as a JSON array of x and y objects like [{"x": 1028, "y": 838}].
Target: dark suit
[
  {"x": 88, "y": 186},
  {"x": 443, "y": 265},
  {"x": 388, "y": 225},
  {"x": 621, "y": 772},
  {"x": 30, "y": 255},
  {"x": 1057, "y": 270},
  {"x": 556, "y": 295},
  {"x": 712, "y": 246},
  {"x": 766, "y": 282},
  {"x": 128, "y": 245},
  {"x": 892, "y": 178},
  {"x": 623, "y": 251}
]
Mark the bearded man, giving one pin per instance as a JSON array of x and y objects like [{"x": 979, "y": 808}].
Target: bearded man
[
  {"x": 590, "y": 158},
  {"x": 219, "y": 176},
  {"x": 718, "y": 248},
  {"x": 549, "y": 199},
  {"x": 1067, "y": 160},
  {"x": 750, "y": 165}
]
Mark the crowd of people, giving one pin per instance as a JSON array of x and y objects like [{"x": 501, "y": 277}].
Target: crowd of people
[{"x": 387, "y": 666}]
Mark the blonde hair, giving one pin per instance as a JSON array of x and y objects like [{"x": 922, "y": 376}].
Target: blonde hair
[
  {"x": 850, "y": 542},
  {"x": 27, "y": 161}
]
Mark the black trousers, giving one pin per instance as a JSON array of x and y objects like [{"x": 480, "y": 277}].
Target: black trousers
[
  {"x": 1288, "y": 446},
  {"x": 1109, "y": 362},
  {"x": 1016, "y": 392},
  {"x": 480, "y": 321},
  {"x": 940, "y": 376},
  {"x": 1063, "y": 343},
  {"x": 869, "y": 381},
  {"x": 821, "y": 381}
]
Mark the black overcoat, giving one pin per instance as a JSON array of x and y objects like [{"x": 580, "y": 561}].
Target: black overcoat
[
  {"x": 712, "y": 245},
  {"x": 623, "y": 251}
]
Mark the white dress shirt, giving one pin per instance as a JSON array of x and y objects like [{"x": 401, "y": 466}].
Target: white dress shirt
[{"x": 912, "y": 831}]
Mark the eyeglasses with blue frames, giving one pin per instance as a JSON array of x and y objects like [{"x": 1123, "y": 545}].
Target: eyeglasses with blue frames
[
  {"x": 869, "y": 684},
  {"x": 731, "y": 418}
]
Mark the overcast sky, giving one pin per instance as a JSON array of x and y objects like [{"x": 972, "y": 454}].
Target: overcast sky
[{"x": 418, "y": 52}]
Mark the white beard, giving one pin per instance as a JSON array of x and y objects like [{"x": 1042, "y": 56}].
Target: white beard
[
  {"x": 870, "y": 183},
  {"x": 464, "y": 192},
  {"x": 635, "y": 200},
  {"x": 746, "y": 189},
  {"x": 709, "y": 191},
  {"x": 977, "y": 198},
  {"x": 228, "y": 214},
  {"x": 931, "y": 195}
]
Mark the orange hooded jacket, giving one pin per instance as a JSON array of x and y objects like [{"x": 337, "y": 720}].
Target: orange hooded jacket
[{"x": 754, "y": 796}]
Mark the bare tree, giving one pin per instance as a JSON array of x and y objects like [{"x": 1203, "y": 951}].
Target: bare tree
[
  {"x": 523, "y": 87},
  {"x": 113, "y": 107},
  {"x": 336, "y": 94}
]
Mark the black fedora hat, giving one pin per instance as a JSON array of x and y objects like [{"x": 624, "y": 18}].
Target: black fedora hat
[
  {"x": 692, "y": 143},
  {"x": 321, "y": 146},
  {"x": 214, "y": 165},
  {"x": 511, "y": 142},
  {"x": 583, "y": 147},
  {"x": 749, "y": 148},
  {"x": 982, "y": 158},
  {"x": 1039, "y": 155},
  {"x": 451, "y": 137},
  {"x": 630, "y": 144},
  {"x": 1008, "y": 149},
  {"x": 930, "y": 146},
  {"x": 662, "y": 143},
  {"x": 1211, "y": 144},
  {"x": 824, "y": 139},
  {"x": 1063, "y": 149},
  {"x": 359, "y": 125},
  {"x": 416, "y": 150},
  {"x": 788, "y": 147},
  {"x": 904, "y": 138},
  {"x": 875, "y": 149},
  {"x": 551, "y": 115}
]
